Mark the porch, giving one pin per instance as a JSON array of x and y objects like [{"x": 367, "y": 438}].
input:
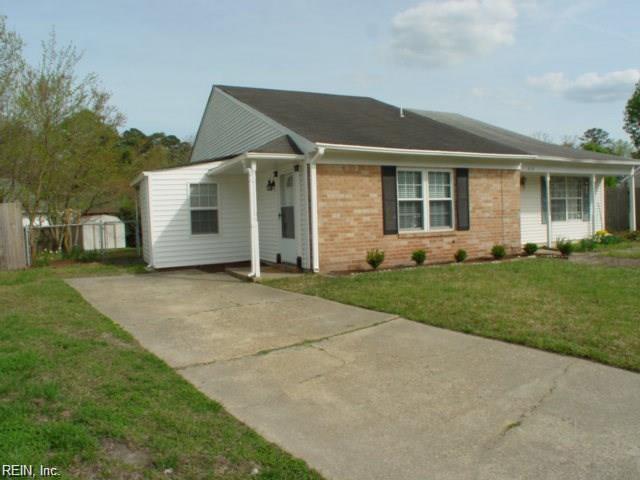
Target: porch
[{"x": 279, "y": 211}]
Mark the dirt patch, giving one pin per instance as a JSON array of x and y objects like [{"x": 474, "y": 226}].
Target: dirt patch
[
  {"x": 125, "y": 454},
  {"x": 115, "y": 341}
]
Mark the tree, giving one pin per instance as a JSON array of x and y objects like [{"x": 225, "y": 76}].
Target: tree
[
  {"x": 622, "y": 148},
  {"x": 632, "y": 117},
  {"x": 11, "y": 63},
  {"x": 58, "y": 137},
  {"x": 596, "y": 140},
  {"x": 542, "y": 136}
]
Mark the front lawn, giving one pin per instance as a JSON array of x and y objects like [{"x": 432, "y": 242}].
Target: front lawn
[
  {"x": 586, "y": 311},
  {"x": 623, "y": 250},
  {"x": 78, "y": 393}
]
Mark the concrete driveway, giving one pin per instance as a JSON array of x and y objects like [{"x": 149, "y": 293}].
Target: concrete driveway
[{"x": 365, "y": 395}]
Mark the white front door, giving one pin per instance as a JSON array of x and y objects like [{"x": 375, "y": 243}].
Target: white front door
[{"x": 288, "y": 201}]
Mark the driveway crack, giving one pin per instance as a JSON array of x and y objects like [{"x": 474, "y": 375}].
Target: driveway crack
[
  {"x": 307, "y": 342},
  {"x": 527, "y": 413}
]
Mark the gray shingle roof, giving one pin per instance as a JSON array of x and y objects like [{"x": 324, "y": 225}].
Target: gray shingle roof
[
  {"x": 348, "y": 120},
  {"x": 511, "y": 139},
  {"x": 283, "y": 144}
]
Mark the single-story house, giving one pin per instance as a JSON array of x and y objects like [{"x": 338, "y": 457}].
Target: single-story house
[{"x": 316, "y": 180}]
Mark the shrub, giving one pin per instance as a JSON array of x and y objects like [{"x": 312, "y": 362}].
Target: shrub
[
  {"x": 530, "y": 248},
  {"x": 89, "y": 256},
  {"x": 610, "y": 240},
  {"x": 600, "y": 234},
  {"x": 375, "y": 257},
  {"x": 73, "y": 254},
  {"x": 565, "y": 246},
  {"x": 460, "y": 255},
  {"x": 498, "y": 252},
  {"x": 419, "y": 256},
  {"x": 44, "y": 258},
  {"x": 632, "y": 236},
  {"x": 585, "y": 245}
]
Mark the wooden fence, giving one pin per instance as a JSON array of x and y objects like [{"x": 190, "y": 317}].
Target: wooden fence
[
  {"x": 12, "y": 246},
  {"x": 617, "y": 208}
]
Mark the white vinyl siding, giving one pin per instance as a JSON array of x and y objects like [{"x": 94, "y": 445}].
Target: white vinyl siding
[
  {"x": 172, "y": 243},
  {"x": 425, "y": 199},
  {"x": 168, "y": 239},
  {"x": 145, "y": 220},
  {"x": 532, "y": 227},
  {"x": 228, "y": 128}
]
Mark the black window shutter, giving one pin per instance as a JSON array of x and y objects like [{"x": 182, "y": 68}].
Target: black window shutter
[
  {"x": 586, "y": 200},
  {"x": 543, "y": 198},
  {"x": 463, "y": 221},
  {"x": 389, "y": 201}
]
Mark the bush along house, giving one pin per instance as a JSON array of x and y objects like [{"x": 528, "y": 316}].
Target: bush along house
[{"x": 317, "y": 180}]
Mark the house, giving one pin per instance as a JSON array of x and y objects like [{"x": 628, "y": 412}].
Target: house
[{"x": 316, "y": 180}]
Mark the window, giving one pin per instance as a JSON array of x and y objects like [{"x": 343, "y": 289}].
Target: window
[
  {"x": 569, "y": 198},
  {"x": 440, "y": 200},
  {"x": 413, "y": 202},
  {"x": 410, "y": 201},
  {"x": 203, "y": 200}
]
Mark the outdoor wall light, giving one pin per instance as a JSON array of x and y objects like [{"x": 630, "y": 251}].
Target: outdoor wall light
[{"x": 271, "y": 184}]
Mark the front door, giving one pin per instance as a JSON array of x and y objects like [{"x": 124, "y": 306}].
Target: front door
[{"x": 288, "y": 247}]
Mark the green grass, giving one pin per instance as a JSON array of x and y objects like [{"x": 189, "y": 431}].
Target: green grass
[
  {"x": 77, "y": 392},
  {"x": 621, "y": 250},
  {"x": 585, "y": 311}
]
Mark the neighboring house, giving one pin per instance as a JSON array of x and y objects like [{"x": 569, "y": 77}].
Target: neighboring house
[{"x": 317, "y": 180}]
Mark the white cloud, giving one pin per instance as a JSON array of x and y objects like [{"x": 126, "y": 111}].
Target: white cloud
[
  {"x": 446, "y": 32},
  {"x": 589, "y": 87}
]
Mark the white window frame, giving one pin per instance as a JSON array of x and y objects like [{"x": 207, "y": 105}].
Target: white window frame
[
  {"x": 216, "y": 208},
  {"x": 566, "y": 199},
  {"x": 426, "y": 221}
]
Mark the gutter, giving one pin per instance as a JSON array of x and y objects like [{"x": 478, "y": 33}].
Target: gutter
[
  {"x": 457, "y": 154},
  {"x": 138, "y": 178}
]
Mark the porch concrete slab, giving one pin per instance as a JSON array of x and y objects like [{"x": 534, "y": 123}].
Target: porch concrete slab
[
  {"x": 381, "y": 397},
  {"x": 191, "y": 317}
]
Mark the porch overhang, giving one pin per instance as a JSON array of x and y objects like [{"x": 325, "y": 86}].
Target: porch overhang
[{"x": 264, "y": 161}]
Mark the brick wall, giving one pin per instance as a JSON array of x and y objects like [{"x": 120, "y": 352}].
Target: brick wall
[{"x": 350, "y": 219}]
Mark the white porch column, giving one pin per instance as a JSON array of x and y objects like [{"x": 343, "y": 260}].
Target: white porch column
[
  {"x": 313, "y": 197},
  {"x": 592, "y": 201},
  {"x": 253, "y": 219},
  {"x": 549, "y": 227},
  {"x": 632, "y": 201}
]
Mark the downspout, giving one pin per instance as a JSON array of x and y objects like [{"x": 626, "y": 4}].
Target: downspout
[
  {"x": 313, "y": 207},
  {"x": 253, "y": 220},
  {"x": 592, "y": 201},
  {"x": 549, "y": 227},
  {"x": 632, "y": 201}
]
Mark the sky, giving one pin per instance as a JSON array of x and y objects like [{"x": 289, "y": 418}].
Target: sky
[{"x": 556, "y": 67}]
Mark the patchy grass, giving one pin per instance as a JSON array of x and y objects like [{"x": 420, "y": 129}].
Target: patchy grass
[
  {"x": 622, "y": 250},
  {"x": 77, "y": 392},
  {"x": 585, "y": 311}
]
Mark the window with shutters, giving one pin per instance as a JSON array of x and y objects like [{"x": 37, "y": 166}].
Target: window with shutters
[
  {"x": 425, "y": 199},
  {"x": 203, "y": 202}
]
